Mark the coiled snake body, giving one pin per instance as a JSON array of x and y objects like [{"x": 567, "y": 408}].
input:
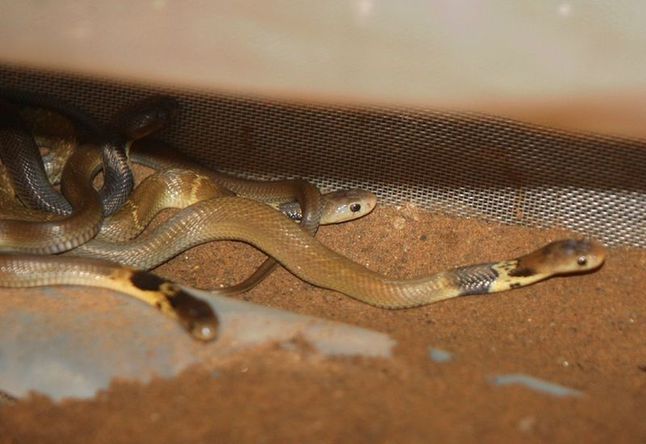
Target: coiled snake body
[
  {"x": 47, "y": 233},
  {"x": 19, "y": 150}
]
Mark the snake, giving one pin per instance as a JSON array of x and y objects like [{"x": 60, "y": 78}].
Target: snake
[
  {"x": 194, "y": 314},
  {"x": 179, "y": 188},
  {"x": 22, "y": 160},
  {"x": 19, "y": 150},
  {"x": 66, "y": 232},
  {"x": 250, "y": 221}
]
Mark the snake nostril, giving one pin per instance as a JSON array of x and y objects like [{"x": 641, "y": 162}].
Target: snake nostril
[{"x": 355, "y": 207}]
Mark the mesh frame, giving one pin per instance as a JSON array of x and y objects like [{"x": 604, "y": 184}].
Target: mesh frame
[{"x": 460, "y": 164}]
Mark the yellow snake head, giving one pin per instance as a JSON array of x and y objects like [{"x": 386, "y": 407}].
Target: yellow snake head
[
  {"x": 338, "y": 206},
  {"x": 347, "y": 205},
  {"x": 561, "y": 257}
]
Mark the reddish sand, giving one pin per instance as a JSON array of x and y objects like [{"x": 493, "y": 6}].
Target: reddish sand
[{"x": 586, "y": 333}]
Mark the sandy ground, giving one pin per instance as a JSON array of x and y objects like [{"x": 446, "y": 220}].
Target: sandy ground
[{"x": 586, "y": 333}]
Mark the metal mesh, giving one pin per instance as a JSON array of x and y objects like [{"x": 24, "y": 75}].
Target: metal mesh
[{"x": 459, "y": 164}]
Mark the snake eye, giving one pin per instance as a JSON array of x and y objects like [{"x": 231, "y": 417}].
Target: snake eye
[
  {"x": 582, "y": 260},
  {"x": 355, "y": 207}
]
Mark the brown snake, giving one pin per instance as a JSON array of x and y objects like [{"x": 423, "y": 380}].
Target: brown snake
[
  {"x": 195, "y": 315},
  {"x": 236, "y": 218},
  {"x": 179, "y": 188}
]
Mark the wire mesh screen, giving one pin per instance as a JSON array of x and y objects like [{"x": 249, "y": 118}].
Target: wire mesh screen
[{"x": 459, "y": 164}]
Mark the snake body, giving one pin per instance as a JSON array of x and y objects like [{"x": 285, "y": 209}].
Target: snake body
[
  {"x": 155, "y": 154},
  {"x": 21, "y": 157},
  {"x": 173, "y": 188},
  {"x": 26, "y": 270},
  {"x": 159, "y": 155},
  {"x": 20, "y": 153},
  {"x": 62, "y": 234},
  {"x": 119, "y": 180},
  {"x": 56, "y": 135}
]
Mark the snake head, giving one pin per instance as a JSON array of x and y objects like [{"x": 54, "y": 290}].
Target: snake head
[
  {"x": 145, "y": 117},
  {"x": 562, "y": 257},
  {"x": 193, "y": 313},
  {"x": 347, "y": 205}
]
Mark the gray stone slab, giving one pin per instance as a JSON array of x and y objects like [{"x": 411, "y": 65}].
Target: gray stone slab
[{"x": 62, "y": 342}]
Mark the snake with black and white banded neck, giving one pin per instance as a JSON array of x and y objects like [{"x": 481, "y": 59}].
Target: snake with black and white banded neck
[{"x": 235, "y": 218}]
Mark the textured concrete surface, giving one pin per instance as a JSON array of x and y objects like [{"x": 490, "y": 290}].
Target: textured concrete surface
[{"x": 71, "y": 342}]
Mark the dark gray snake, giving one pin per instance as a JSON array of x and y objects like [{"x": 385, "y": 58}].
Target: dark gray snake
[{"x": 20, "y": 154}]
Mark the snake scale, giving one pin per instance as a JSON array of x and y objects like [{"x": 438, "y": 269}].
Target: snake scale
[{"x": 232, "y": 209}]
